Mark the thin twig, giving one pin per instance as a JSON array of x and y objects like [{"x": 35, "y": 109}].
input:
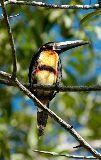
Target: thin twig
[
  {"x": 10, "y": 17},
  {"x": 5, "y": 75},
  {"x": 51, "y": 87},
  {"x": 7, "y": 82},
  {"x": 5, "y": 3},
  {"x": 11, "y": 40},
  {"x": 65, "y": 155},
  {"x": 54, "y": 6}
]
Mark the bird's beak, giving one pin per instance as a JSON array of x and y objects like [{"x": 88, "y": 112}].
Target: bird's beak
[{"x": 63, "y": 46}]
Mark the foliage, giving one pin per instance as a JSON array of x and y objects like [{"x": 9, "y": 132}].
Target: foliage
[{"x": 81, "y": 66}]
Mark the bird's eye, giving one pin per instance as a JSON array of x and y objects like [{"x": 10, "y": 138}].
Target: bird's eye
[{"x": 44, "y": 47}]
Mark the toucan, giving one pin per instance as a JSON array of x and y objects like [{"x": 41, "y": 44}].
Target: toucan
[{"x": 45, "y": 69}]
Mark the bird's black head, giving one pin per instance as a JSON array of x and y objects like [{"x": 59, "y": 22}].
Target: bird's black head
[
  {"x": 60, "y": 47},
  {"x": 47, "y": 46}
]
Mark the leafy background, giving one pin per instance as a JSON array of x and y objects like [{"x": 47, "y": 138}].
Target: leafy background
[{"x": 80, "y": 66}]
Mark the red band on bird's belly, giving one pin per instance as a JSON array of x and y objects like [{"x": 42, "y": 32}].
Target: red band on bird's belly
[
  {"x": 36, "y": 71},
  {"x": 45, "y": 68}
]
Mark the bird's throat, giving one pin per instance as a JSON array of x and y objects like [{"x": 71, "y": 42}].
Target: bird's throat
[{"x": 49, "y": 58}]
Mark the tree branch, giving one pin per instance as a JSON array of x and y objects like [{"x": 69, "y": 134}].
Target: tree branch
[
  {"x": 54, "y": 6},
  {"x": 10, "y": 17},
  {"x": 66, "y": 126},
  {"x": 60, "y": 121},
  {"x": 51, "y": 87},
  {"x": 68, "y": 88},
  {"x": 5, "y": 75},
  {"x": 11, "y": 40},
  {"x": 7, "y": 82},
  {"x": 65, "y": 155}
]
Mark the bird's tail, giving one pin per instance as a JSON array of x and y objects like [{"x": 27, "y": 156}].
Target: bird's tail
[{"x": 42, "y": 117}]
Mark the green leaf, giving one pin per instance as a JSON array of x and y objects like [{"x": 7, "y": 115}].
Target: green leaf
[{"x": 90, "y": 15}]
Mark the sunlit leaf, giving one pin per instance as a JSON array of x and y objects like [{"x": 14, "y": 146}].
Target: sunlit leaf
[{"x": 89, "y": 16}]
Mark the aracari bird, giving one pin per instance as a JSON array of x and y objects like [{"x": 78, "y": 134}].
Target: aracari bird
[{"x": 45, "y": 70}]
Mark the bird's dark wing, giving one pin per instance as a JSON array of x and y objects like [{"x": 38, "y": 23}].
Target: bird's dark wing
[
  {"x": 59, "y": 78},
  {"x": 33, "y": 66}
]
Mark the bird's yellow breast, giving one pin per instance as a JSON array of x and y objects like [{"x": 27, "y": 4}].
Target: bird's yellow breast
[
  {"x": 46, "y": 78},
  {"x": 49, "y": 58}
]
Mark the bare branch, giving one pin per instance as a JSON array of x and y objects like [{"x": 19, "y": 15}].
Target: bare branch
[
  {"x": 5, "y": 75},
  {"x": 66, "y": 126},
  {"x": 52, "y": 87},
  {"x": 78, "y": 146},
  {"x": 7, "y": 82},
  {"x": 11, "y": 40},
  {"x": 68, "y": 88},
  {"x": 54, "y": 6},
  {"x": 65, "y": 155},
  {"x": 10, "y": 17}
]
